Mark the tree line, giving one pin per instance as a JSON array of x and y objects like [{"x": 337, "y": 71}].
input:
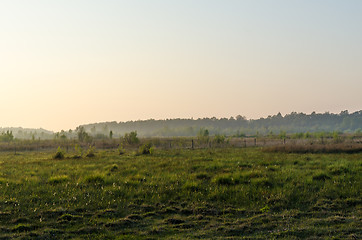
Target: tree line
[
  {"x": 238, "y": 126},
  {"x": 291, "y": 124}
]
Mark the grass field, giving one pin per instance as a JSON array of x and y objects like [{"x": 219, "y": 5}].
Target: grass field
[{"x": 181, "y": 194}]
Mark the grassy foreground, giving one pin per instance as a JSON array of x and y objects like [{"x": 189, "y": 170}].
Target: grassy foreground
[{"x": 181, "y": 194}]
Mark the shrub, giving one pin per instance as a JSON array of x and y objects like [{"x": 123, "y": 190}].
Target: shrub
[
  {"x": 59, "y": 154},
  {"x": 131, "y": 138},
  {"x": 219, "y": 139},
  {"x": 78, "y": 151},
  {"x": 91, "y": 151},
  {"x": 146, "y": 149}
]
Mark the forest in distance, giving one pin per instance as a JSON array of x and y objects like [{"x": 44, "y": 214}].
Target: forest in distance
[{"x": 238, "y": 126}]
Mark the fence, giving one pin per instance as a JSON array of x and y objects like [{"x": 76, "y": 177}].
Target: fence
[{"x": 165, "y": 143}]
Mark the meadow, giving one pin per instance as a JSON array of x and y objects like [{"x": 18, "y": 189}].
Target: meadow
[{"x": 208, "y": 193}]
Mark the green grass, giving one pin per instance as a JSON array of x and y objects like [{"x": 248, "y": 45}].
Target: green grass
[
  {"x": 58, "y": 179},
  {"x": 181, "y": 194}
]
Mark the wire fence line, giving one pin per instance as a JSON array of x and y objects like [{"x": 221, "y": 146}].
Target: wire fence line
[{"x": 69, "y": 145}]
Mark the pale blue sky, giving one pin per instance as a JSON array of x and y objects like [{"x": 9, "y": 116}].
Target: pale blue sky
[{"x": 65, "y": 63}]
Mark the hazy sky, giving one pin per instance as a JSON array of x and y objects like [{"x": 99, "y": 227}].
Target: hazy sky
[{"x": 71, "y": 62}]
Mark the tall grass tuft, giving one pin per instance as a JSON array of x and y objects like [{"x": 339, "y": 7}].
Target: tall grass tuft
[
  {"x": 58, "y": 179},
  {"x": 95, "y": 179}
]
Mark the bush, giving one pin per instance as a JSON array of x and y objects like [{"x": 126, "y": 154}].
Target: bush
[
  {"x": 146, "y": 149},
  {"x": 131, "y": 138},
  {"x": 78, "y": 151},
  {"x": 219, "y": 139},
  {"x": 91, "y": 151},
  {"x": 59, "y": 154}
]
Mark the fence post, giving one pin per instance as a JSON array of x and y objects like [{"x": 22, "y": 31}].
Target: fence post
[{"x": 192, "y": 144}]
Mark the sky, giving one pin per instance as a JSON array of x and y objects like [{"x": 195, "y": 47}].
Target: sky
[{"x": 72, "y": 62}]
